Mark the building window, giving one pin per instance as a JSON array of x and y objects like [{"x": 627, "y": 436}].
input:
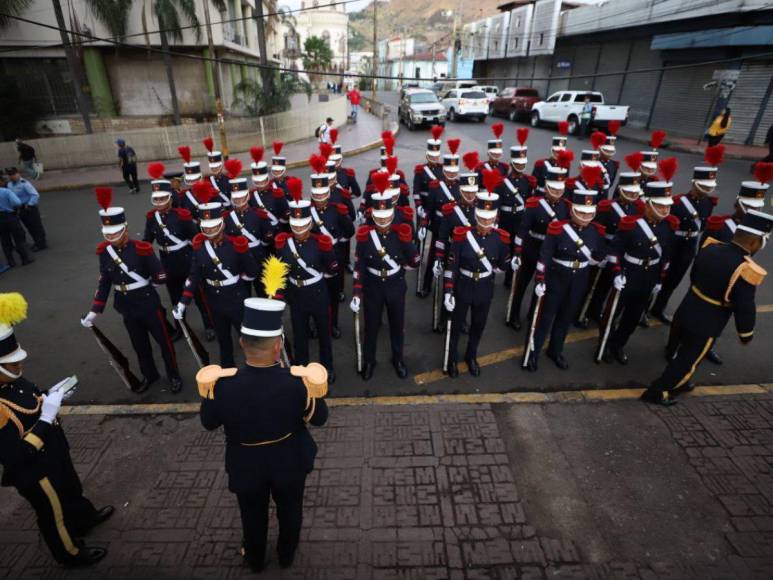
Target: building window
[
  {"x": 541, "y": 38},
  {"x": 517, "y": 21},
  {"x": 418, "y": 72}
]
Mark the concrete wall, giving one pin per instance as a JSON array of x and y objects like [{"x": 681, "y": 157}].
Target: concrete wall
[{"x": 161, "y": 142}]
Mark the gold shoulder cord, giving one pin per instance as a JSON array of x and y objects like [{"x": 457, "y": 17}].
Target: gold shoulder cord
[{"x": 750, "y": 271}]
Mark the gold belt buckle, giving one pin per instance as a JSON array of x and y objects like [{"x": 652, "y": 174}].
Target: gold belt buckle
[
  {"x": 476, "y": 276},
  {"x": 383, "y": 273},
  {"x": 576, "y": 264}
]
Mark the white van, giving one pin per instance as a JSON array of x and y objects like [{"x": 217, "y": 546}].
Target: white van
[{"x": 443, "y": 87}]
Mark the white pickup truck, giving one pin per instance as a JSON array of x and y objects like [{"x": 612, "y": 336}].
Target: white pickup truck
[{"x": 567, "y": 106}]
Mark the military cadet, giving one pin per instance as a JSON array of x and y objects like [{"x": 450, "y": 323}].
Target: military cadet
[
  {"x": 591, "y": 175},
  {"x": 397, "y": 185},
  {"x": 279, "y": 168},
  {"x": 310, "y": 257},
  {"x": 244, "y": 220},
  {"x": 264, "y": 195},
  {"x": 400, "y": 199},
  {"x": 224, "y": 266},
  {"x": 610, "y": 211},
  {"x": 641, "y": 251},
  {"x": 538, "y": 214},
  {"x": 423, "y": 173},
  {"x": 132, "y": 269},
  {"x": 477, "y": 254},
  {"x": 494, "y": 152},
  {"x": 608, "y": 150},
  {"x": 649, "y": 164},
  {"x": 173, "y": 230},
  {"x": 264, "y": 409},
  {"x": 333, "y": 220},
  {"x": 541, "y": 166},
  {"x": 191, "y": 174},
  {"x": 346, "y": 178},
  {"x": 217, "y": 177},
  {"x": 35, "y": 454},
  {"x": 387, "y": 150},
  {"x": 382, "y": 254},
  {"x": 692, "y": 210},
  {"x": 723, "y": 282},
  {"x": 339, "y": 194},
  {"x": 459, "y": 213},
  {"x": 569, "y": 251}
]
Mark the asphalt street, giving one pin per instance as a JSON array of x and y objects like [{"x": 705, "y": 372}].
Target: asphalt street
[{"x": 60, "y": 284}]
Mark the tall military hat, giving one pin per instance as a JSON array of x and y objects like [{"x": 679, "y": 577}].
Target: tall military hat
[
  {"x": 300, "y": 209},
  {"x": 756, "y": 222},
  {"x": 706, "y": 176},
  {"x": 258, "y": 167},
  {"x": 191, "y": 169},
  {"x": 113, "y": 218},
  {"x": 584, "y": 200},
  {"x": 331, "y": 168},
  {"x": 278, "y": 162},
  {"x": 558, "y": 142},
  {"x": 262, "y": 317},
  {"x": 160, "y": 187},
  {"x": 13, "y": 310},
  {"x": 486, "y": 204},
  {"x": 519, "y": 153},
  {"x": 210, "y": 212},
  {"x": 659, "y": 192},
  {"x": 450, "y": 162},
  {"x": 649, "y": 160},
  {"x": 494, "y": 146},
  {"x": 608, "y": 146},
  {"x": 337, "y": 154},
  {"x": 214, "y": 157},
  {"x": 468, "y": 180},
  {"x": 753, "y": 193},
  {"x": 320, "y": 178},
  {"x": 382, "y": 204},
  {"x": 434, "y": 144},
  {"x": 590, "y": 157},
  {"x": 237, "y": 185}
]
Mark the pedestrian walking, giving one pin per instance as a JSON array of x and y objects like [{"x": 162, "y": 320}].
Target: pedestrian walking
[
  {"x": 12, "y": 236},
  {"x": 323, "y": 132},
  {"x": 29, "y": 211},
  {"x": 27, "y": 159},
  {"x": 355, "y": 98},
  {"x": 35, "y": 453},
  {"x": 719, "y": 126},
  {"x": 127, "y": 161},
  {"x": 586, "y": 116}
]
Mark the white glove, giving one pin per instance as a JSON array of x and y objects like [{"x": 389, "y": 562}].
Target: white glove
[
  {"x": 51, "y": 404},
  {"x": 619, "y": 282},
  {"x": 422, "y": 233},
  {"x": 88, "y": 320},
  {"x": 437, "y": 269},
  {"x": 657, "y": 288},
  {"x": 355, "y": 304},
  {"x": 178, "y": 311},
  {"x": 515, "y": 263},
  {"x": 539, "y": 289},
  {"x": 421, "y": 211},
  {"x": 449, "y": 302}
]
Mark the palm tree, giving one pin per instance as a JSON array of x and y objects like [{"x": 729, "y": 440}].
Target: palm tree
[
  {"x": 11, "y": 8},
  {"x": 114, "y": 14}
]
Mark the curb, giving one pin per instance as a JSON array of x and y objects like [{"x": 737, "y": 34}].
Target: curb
[
  {"x": 291, "y": 165},
  {"x": 525, "y": 397},
  {"x": 695, "y": 150}
]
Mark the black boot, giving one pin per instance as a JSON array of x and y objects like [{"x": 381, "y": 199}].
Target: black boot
[
  {"x": 209, "y": 334},
  {"x": 400, "y": 368},
  {"x": 714, "y": 357},
  {"x": 453, "y": 370},
  {"x": 531, "y": 365},
  {"x": 176, "y": 383},
  {"x": 367, "y": 371},
  {"x": 559, "y": 360},
  {"x": 473, "y": 366},
  {"x": 87, "y": 556}
]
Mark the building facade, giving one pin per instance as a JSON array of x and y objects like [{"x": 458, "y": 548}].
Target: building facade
[
  {"x": 330, "y": 23},
  {"x": 402, "y": 58}
]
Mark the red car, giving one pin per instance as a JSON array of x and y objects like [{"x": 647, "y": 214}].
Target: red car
[{"x": 514, "y": 102}]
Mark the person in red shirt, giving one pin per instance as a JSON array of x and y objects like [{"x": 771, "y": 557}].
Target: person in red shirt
[{"x": 354, "y": 98}]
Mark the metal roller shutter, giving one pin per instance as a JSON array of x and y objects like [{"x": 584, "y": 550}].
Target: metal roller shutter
[
  {"x": 746, "y": 100},
  {"x": 585, "y": 57},
  {"x": 639, "y": 88},
  {"x": 682, "y": 103},
  {"x": 613, "y": 58},
  {"x": 541, "y": 70}
]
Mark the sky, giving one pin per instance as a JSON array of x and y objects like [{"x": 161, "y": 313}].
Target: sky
[{"x": 352, "y": 7}]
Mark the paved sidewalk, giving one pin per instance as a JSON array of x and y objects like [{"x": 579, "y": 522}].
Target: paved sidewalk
[
  {"x": 456, "y": 491},
  {"x": 362, "y": 136}
]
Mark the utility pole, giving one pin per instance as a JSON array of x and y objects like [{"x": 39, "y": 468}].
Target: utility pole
[
  {"x": 374, "y": 60},
  {"x": 265, "y": 74},
  {"x": 75, "y": 69},
  {"x": 215, "y": 68},
  {"x": 455, "y": 39}
]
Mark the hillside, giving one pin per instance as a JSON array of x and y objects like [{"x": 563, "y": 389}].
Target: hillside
[{"x": 426, "y": 20}]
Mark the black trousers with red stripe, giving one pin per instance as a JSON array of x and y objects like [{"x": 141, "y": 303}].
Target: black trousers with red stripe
[{"x": 141, "y": 326}]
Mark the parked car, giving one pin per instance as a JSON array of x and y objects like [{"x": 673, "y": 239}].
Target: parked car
[
  {"x": 465, "y": 103},
  {"x": 490, "y": 90},
  {"x": 567, "y": 106},
  {"x": 514, "y": 103},
  {"x": 446, "y": 86},
  {"x": 420, "y": 106}
]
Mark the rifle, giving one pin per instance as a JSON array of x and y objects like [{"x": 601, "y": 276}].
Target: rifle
[
  {"x": 583, "y": 316},
  {"x": 607, "y": 322},
  {"x": 532, "y": 329},
  {"x": 116, "y": 359},
  {"x": 437, "y": 300},
  {"x": 511, "y": 296},
  {"x": 199, "y": 352},
  {"x": 447, "y": 343},
  {"x": 357, "y": 341},
  {"x": 419, "y": 273}
]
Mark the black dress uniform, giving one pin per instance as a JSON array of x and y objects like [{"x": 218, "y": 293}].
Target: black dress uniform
[
  {"x": 347, "y": 179},
  {"x": 274, "y": 203},
  {"x": 440, "y": 192},
  {"x": 379, "y": 280},
  {"x": 611, "y": 168},
  {"x": 516, "y": 188},
  {"x": 542, "y": 166},
  {"x": 225, "y": 279},
  {"x": 254, "y": 224},
  {"x": 723, "y": 282},
  {"x": 220, "y": 182},
  {"x": 423, "y": 174}
]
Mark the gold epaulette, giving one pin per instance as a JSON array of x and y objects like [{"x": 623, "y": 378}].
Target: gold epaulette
[
  {"x": 314, "y": 376},
  {"x": 709, "y": 241},
  {"x": 5, "y": 416},
  {"x": 208, "y": 376},
  {"x": 752, "y": 272}
]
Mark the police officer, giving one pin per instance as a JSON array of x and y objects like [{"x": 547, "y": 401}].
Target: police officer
[
  {"x": 542, "y": 166},
  {"x": 191, "y": 174},
  {"x": 692, "y": 210},
  {"x": 569, "y": 251},
  {"x": 424, "y": 173},
  {"x": 477, "y": 254},
  {"x": 382, "y": 254},
  {"x": 723, "y": 282},
  {"x": 217, "y": 177},
  {"x": 29, "y": 211},
  {"x": 279, "y": 169},
  {"x": 12, "y": 234},
  {"x": 640, "y": 252},
  {"x": 132, "y": 269},
  {"x": 224, "y": 266},
  {"x": 264, "y": 196},
  {"x": 173, "y": 230},
  {"x": 494, "y": 152},
  {"x": 538, "y": 214},
  {"x": 264, "y": 409},
  {"x": 35, "y": 453}
]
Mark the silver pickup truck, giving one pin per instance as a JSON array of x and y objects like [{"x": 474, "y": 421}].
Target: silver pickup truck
[{"x": 567, "y": 106}]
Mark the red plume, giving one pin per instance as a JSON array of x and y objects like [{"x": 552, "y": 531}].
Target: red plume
[
  {"x": 317, "y": 163},
  {"x": 391, "y": 165},
  {"x": 597, "y": 139},
  {"x": 104, "y": 196},
  {"x": 613, "y": 127},
  {"x": 492, "y": 179},
  {"x": 763, "y": 171},
  {"x": 333, "y": 136},
  {"x": 563, "y": 127},
  {"x": 380, "y": 181},
  {"x": 437, "y": 131},
  {"x": 714, "y": 155},
  {"x": 185, "y": 153},
  {"x": 668, "y": 168},
  {"x": 634, "y": 160},
  {"x": 471, "y": 160},
  {"x": 453, "y": 145},
  {"x": 209, "y": 143},
  {"x": 386, "y": 136},
  {"x": 389, "y": 142},
  {"x": 326, "y": 150},
  {"x": 523, "y": 134},
  {"x": 565, "y": 159},
  {"x": 257, "y": 154},
  {"x": 657, "y": 139},
  {"x": 295, "y": 188},
  {"x": 156, "y": 170},
  {"x": 233, "y": 167},
  {"x": 203, "y": 191},
  {"x": 498, "y": 129},
  {"x": 277, "y": 145},
  {"x": 592, "y": 176}
]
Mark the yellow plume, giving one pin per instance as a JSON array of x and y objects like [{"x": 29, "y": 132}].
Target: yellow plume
[
  {"x": 274, "y": 275},
  {"x": 13, "y": 308}
]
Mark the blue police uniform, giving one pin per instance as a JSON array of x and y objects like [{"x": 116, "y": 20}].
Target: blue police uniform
[
  {"x": 12, "y": 234},
  {"x": 29, "y": 212}
]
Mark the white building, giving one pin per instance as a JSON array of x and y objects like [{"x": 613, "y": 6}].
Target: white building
[
  {"x": 401, "y": 57},
  {"x": 329, "y": 23}
]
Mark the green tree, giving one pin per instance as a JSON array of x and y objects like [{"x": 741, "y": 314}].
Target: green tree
[
  {"x": 258, "y": 101},
  {"x": 11, "y": 8},
  {"x": 317, "y": 56},
  {"x": 114, "y": 14}
]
